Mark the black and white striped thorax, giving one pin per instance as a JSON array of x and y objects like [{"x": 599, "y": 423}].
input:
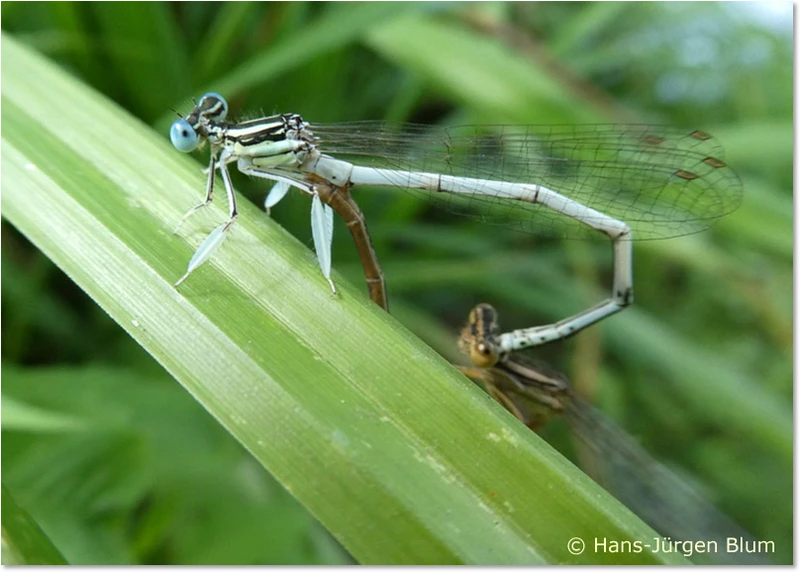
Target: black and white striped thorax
[{"x": 268, "y": 129}]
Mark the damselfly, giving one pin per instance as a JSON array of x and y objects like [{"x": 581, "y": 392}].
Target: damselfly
[
  {"x": 618, "y": 180},
  {"x": 533, "y": 393}
]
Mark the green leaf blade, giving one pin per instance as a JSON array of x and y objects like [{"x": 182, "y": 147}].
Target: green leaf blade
[{"x": 394, "y": 451}]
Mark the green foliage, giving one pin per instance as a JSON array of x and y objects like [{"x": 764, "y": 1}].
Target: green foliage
[
  {"x": 699, "y": 369},
  {"x": 24, "y": 543},
  {"x": 147, "y": 476}
]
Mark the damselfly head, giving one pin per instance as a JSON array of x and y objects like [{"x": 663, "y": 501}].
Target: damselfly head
[
  {"x": 478, "y": 337},
  {"x": 483, "y": 354},
  {"x": 187, "y": 134}
]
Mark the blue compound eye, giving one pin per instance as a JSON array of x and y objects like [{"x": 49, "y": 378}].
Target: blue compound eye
[
  {"x": 183, "y": 137},
  {"x": 213, "y": 106}
]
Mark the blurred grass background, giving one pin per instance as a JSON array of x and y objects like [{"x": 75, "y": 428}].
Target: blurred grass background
[{"x": 699, "y": 370}]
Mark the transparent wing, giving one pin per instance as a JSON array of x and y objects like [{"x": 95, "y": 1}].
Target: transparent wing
[
  {"x": 662, "y": 181},
  {"x": 667, "y": 502}
]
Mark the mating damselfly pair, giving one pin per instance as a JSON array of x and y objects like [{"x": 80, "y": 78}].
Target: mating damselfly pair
[{"x": 623, "y": 181}]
